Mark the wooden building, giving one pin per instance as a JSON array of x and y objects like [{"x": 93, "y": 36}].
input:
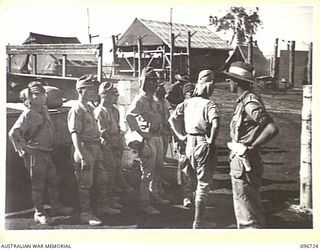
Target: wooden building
[
  {"x": 205, "y": 50},
  {"x": 300, "y": 66}
]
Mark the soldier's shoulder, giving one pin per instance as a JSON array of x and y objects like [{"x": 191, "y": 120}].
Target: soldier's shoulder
[
  {"x": 27, "y": 113},
  {"x": 251, "y": 97}
]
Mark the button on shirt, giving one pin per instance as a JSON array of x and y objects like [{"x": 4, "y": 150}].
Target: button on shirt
[
  {"x": 198, "y": 114},
  {"x": 248, "y": 116},
  {"x": 22, "y": 134},
  {"x": 148, "y": 118},
  {"x": 81, "y": 121}
]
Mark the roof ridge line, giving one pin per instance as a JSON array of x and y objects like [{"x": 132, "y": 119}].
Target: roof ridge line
[
  {"x": 141, "y": 20},
  {"x": 192, "y": 25}
]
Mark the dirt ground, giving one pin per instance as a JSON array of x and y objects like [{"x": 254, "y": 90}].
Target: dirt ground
[{"x": 280, "y": 184}]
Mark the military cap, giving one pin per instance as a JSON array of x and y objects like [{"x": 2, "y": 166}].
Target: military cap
[
  {"x": 188, "y": 87},
  {"x": 36, "y": 87},
  {"x": 205, "y": 76},
  {"x": 86, "y": 81},
  {"x": 105, "y": 87},
  {"x": 182, "y": 77}
]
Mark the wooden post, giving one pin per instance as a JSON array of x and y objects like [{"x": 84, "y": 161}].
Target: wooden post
[
  {"x": 181, "y": 69},
  {"x": 99, "y": 73},
  {"x": 134, "y": 62},
  {"x": 275, "y": 69},
  {"x": 164, "y": 61},
  {"x": 114, "y": 54},
  {"x": 291, "y": 63},
  {"x": 139, "y": 56},
  {"x": 64, "y": 65},
  {"x": 250, "y": 51},
  {"x": 34, "y": 64},
  {"x": 9, "y": 63},
  {"x": 309, "y": 67},
  {"x": 306, "y": 146},
  {"x": 171, "y": 58},
  {"x": 189, "y": 54}
]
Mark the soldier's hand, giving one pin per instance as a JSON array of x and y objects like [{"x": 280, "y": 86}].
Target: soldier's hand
[
  {"x": 182, "y": 137},
  {"x": 145, "y": 135},
  {"x": 22, "y": 153},
  {"x": 84, "y": 164}
]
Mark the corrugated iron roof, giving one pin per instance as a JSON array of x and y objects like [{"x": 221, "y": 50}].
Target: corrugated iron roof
[{"x": 203, "y": 37}]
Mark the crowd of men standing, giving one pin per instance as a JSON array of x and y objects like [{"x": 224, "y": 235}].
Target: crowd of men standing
[{"x": 185, "y": 114}]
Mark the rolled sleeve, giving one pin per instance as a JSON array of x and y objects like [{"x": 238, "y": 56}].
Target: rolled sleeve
[
  {"x": 75, "y": 120},
  {"x": 257, "y": 113},
  {"x": 213, "y": 112},
  {"x": 135, "y": 109},
  {"x": 18, "y": 130},
  {"x": 178, "y": 113}
]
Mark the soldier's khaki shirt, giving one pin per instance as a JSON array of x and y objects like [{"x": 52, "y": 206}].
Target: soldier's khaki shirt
[
  {"x": 81, "y": 120},
  {"x": 26, "y": 125},
  {"x": 249, "y": 114},
  {"x": 197, "y": 113},
  {"x": 108, "y": 124},
  {"x": 145, "y": 110}
]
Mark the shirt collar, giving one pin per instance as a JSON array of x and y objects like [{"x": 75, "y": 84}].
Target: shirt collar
[
  {"x": 242, "y": 96},
  {"x": 83, "y": 107}
]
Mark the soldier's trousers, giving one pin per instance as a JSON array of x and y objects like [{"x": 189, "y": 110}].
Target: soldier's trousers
[
  {"x": 112, "y": 163},
  {"x": 92, "y": 177},
  {"x": 42, "y": 171},
  {"x": 186, "y": 176},
  {"x": 245, "y": 187},
  {"x": 151, "y": 158},
  {"x": 203, "y": 159}
]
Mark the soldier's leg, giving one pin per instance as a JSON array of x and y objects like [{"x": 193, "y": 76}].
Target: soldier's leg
[
  {"x": 246, "y": 196},
  {"x": 206, "y": 161},
  {"x": 157, "y": 182},
  {"x": 109, "y": 163},
  {"x": 119, "y": 177},
  {"x": 85, "y": 183},
  {"x": 38, "y": 170},
  {"x": 101, "y": 189},
  {"x": 147, "y": 164},
  {"x": 53, "y": 189}
]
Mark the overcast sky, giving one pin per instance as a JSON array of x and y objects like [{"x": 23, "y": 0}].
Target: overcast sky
[{"x": 287, "y": 22}]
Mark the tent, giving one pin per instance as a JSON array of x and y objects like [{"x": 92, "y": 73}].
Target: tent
[{"x": 77, "y": 65}]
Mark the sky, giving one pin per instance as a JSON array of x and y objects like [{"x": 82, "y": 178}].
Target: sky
[{"x": 286, "y": 22}]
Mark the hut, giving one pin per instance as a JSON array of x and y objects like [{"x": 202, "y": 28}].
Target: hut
[
  {"x": 260, "y": 63},
  {"x": 207, "y": 50}
]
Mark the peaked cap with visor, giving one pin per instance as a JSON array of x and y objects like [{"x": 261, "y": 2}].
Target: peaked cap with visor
[{"x": 148, "y": 73}]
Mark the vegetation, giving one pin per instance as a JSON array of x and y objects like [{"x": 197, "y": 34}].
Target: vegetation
[{"x": 241, "y": 22}]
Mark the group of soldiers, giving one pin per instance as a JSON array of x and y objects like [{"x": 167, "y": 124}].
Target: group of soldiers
[{"x": 185, "y": 114}]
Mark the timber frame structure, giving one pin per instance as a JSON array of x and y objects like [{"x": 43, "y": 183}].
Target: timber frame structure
[
  {"x": 54, "y": 49},
  {"x": 169, "y": 48}
]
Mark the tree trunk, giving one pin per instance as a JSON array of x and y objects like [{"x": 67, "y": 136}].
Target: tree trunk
[{"x": 306, "y": 149}]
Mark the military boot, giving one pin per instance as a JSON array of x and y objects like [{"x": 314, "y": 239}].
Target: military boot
[
  {"x": 156, "y": 199},
  {"x": 107, "y": 210},
  {"x": 89, "y": 218},
  {"x": 148, "y": 209},
  {"x": 42, "y": 218}
]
